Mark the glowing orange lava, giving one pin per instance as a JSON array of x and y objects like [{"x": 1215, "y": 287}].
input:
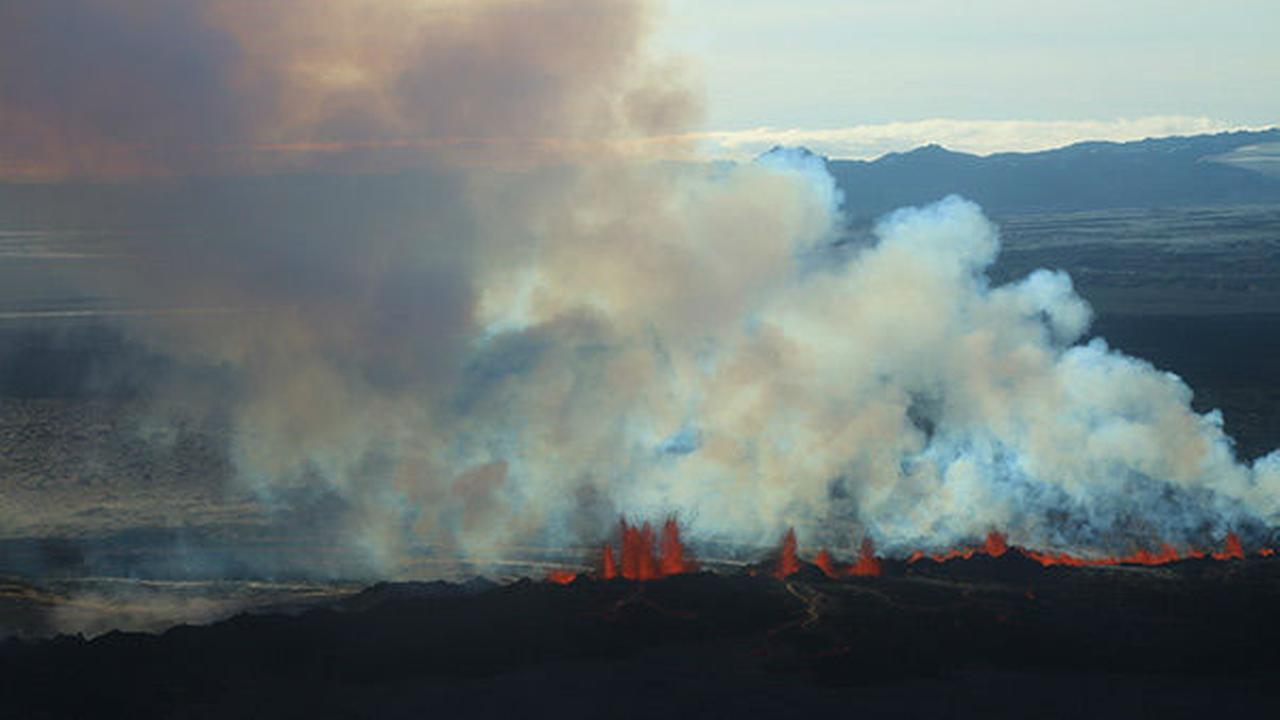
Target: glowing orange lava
[
  {"x": 1233, "y": 551},
  {"x": 646, "y": 555},
  {"x": 562, "y": 577},
  {"x": 826, "y": 564},
  {"x": 867, "y": 565},
  {"x": 997, "y": 545},
  {"x": 608, "y": 566},
  {"x": 641, "y": 560},
  {"x": 671, "y": 558},
  {"x": 788, "y": 561},
  {"x": 638, "y": 561}
]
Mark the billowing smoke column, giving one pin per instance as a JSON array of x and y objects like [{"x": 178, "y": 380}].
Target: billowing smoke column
[
  {"x": 541, "y": 328},
  {"x": 886, "y": 390}
]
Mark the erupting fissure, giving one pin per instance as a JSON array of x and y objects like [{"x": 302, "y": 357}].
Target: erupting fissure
[
  {"x": 640, "y": 559},
  {"x": 648, "y": 557},
  {"x": 608, "y": 566},
  {"x": 788, "y": 560},
  {"x": 562, "y": 577},
  {"x": 867, "y": 564},
  {"x": 996, "y": 545}
]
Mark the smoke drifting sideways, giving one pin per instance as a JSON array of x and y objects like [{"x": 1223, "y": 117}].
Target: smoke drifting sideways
[
  {"x": 104, "y": 89},
  {"x": 479, "y": 316}
]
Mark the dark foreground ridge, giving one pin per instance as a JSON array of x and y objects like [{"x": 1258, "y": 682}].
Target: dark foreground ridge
[{"x": 996, "y": 637}]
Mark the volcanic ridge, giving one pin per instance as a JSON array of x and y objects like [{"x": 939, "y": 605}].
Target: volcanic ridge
[{"x": 986, "y": 630}]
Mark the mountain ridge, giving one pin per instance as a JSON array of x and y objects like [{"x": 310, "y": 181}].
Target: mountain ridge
[{"x": 1091, "y": 175}]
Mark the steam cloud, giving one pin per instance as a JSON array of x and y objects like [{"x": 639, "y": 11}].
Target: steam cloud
[{"x": 527, "y": 329}]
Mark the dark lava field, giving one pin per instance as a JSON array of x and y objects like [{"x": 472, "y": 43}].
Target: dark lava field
[{"x": 999, "y": 637}]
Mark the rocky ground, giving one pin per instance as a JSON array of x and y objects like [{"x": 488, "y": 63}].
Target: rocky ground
[{"x": 989, "y": 636}]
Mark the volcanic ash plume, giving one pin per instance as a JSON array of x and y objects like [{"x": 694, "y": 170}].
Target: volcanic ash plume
[
  {"x": 766, "y": 377},
  {"x": 540, "y": 326},
  {"x": 694, "y": 341}
]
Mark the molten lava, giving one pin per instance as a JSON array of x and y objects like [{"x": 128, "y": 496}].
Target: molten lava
[
  {"x": 671, "y": 558},
  {"x": 997, "y": 545},
  {"x": 1233, "y": 551},
  {"x": 788, "y": 561},
  {"x": 867, "y": 565},
  {"x": 826, "y": 564},
  {"x": 562, "y": 577},
  {"x": 640, "y": 561},
  {"x": 646, "y": 555},
  {"x": 608, "y": 566}
]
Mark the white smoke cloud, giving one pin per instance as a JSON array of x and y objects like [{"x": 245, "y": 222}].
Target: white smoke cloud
[
  {"x": 693, "y": 363},
  {"x": 645, "y": 339},
  {"x": 472, "y": 356}
]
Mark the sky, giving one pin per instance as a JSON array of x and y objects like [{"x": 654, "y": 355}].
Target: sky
[
  {"x": 145, "y": 87},
  {"x": 987, "y": 74}
]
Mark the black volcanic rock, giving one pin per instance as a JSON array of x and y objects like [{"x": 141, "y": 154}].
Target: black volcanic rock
[
  {"x": 1012, "y": 566},
  {"x": 807, "y": 572},
  {"x": 398, "y": 592},
  {"x": 1108, "y": 642}
]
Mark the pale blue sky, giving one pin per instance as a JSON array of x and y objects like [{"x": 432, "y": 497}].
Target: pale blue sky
[{"x": 835, "y": 63}]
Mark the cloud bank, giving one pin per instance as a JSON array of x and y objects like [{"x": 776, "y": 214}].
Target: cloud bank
[{"x": 979, "y": 137}]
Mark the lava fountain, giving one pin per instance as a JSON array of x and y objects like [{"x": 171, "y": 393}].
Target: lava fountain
[{"x": 640, "y": 559}]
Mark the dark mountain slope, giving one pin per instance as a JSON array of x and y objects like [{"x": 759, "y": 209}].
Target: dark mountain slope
[{"x": 1176, "y": 171}]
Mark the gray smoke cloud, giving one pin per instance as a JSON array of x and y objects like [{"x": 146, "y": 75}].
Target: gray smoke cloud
[
  {"x": 662, "y": 339},
  {"x": 537, "y": 328},
  {"x": 724, "y": 361},
  {"x": 140, "y": 88}
]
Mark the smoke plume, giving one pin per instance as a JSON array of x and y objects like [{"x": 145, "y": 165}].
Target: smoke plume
[{"x": 481, "y": 312}]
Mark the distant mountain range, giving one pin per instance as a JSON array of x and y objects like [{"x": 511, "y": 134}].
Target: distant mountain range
[{"x": 1227, "y": 168}]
